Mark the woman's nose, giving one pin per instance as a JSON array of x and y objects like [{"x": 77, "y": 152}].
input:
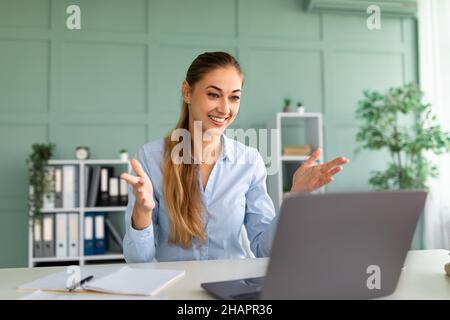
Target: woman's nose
[{"x": 224, "y": 107}]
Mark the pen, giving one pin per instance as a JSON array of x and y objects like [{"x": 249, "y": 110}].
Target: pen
[{"x": 79, "y": 284}]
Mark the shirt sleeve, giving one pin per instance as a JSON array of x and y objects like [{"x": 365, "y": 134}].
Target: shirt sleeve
[
  {"x": 259, "y": 219},
  {"x": 139, "y": 245}
]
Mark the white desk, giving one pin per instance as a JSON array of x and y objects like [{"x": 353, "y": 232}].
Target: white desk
[{"x": 422, "y": 278}]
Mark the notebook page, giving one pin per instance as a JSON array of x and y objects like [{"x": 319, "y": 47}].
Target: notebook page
[
  {"x": 135, "y": 281},
  {"x": 58, "y": 281},
  {"x": 42, "y": 295}
]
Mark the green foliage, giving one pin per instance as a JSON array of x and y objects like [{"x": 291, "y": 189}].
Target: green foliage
[
  {"x": 38, "y": 177},
  {"x": 382, "y": 128}
]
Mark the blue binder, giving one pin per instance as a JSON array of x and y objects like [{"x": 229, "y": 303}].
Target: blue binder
[
  {"x": 100, "y": 233},
  {"x": 89, "y": 233}
]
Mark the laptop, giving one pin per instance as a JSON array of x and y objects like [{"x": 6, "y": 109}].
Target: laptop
[{"x": 334, "y": 246}]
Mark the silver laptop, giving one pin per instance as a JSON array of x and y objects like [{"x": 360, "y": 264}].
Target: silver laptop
[{"x": 334, "y": 246}]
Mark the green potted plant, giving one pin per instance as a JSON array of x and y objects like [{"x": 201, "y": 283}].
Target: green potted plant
[
  {"x": 383, "y": 127},
  {"x": 38, "y": 178},
  {"x": 287, "y": 105},
  {"x": 300, "y": 107}
]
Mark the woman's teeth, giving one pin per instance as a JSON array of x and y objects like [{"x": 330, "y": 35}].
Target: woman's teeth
[{"x": 218, "y": 119}]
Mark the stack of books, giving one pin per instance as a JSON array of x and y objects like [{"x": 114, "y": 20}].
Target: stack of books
[{"x": 297, "y": 150}]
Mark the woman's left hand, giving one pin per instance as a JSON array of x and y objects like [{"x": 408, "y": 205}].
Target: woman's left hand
[{"x": 309, "y": 177}]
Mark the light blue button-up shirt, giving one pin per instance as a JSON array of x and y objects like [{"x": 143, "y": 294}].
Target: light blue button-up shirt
[{"x": 235, "y": 195}]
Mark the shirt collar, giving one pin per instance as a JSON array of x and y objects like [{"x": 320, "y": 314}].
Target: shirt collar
[{"x": 227, "y": 148}]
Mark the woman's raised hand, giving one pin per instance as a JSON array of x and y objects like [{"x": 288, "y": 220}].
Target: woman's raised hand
[
  {"x": 142, "y": 188},
  {"x": 310, "y": 176}
]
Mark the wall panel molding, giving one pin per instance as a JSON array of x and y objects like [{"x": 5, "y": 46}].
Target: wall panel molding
[{"x": 120, "y": 75}]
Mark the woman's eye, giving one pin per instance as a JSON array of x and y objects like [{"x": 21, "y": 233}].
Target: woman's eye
[
  {"x": 235, "y": 98},
  {"x": 214, "y": 95}
]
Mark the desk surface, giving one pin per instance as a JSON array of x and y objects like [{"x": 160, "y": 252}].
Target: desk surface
[{"x": 422, "y": 278}]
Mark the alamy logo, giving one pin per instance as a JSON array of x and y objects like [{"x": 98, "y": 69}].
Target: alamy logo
[
  {"x": 73, "y": 22},
  {"x": 74, "y": 277},
  {"x": 374, "y": 280},
  {"x": 374, "y": 20}
]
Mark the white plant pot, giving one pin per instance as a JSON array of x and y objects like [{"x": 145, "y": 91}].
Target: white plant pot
[{"x": 124, "y": 156}]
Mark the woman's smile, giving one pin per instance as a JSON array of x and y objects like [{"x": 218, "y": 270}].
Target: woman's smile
[{"x": 218, "y": 121}]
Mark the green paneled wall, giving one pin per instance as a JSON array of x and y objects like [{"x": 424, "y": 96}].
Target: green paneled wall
[{"x": 116, "y": 82}]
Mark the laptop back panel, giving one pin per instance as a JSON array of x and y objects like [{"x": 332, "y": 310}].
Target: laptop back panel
[{"x": 342, "y": 245}]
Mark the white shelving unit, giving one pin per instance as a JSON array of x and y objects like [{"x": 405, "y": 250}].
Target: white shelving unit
[
  {"x": 81, "y": 259},
  {"x": 304, "y": 128}
]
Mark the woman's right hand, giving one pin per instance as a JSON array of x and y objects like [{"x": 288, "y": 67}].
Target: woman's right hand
[{"x": 143, "y": 192}]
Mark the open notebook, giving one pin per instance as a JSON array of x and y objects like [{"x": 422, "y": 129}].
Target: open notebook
[
  {"x": 125, "y": 281},
  {"x": 47, "y": 295}
]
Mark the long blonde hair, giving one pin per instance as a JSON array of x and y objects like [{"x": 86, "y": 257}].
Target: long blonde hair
[{"x": 181, "y": 181}]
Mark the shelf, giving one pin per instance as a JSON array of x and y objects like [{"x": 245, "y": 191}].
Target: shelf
[
  {"x": 88, "y": 162},
  {"x": 63, "y": 162},
  {"x": 111, "y": 256},
  {"x": 104, "y": 162},
  {"x": 60, "y": 210},
  {"x": 81, "y": 194},
  {"x": 294, "y": 114},
  {"x": 55, "y": 259},
  {"x": 108, "y": 209},
  {"x": 290, "y": 129},
  {"x": 294, "y": 158},
  {"x": 90, "y": 209}
]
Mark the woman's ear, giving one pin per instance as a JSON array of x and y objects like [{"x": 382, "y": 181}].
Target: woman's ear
[{"x": 186, "y": 92}]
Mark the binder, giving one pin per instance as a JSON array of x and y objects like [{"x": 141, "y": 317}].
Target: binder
[
  {"x": 48, "y": 232},
  {"x": 87, "y": 179},
  {"x": 105, "y": 173},
  {"x": 37, "y": 239},
  {"x": 100, "y": 234},
  {"x": 73, "y": 235},
  {"x": 123, "y": 192},
  {"x": 61, "y": 235},
  {"x": 48, "y": 201},
  {"x": 69, "y": 186},
  {"x": 58, "y": 187},
  {"x": 94, "y": 186},
  {"x": 114, "y": 199},
  {"x": 115, "y": 235},
  {"x": 88, "y": 233}
]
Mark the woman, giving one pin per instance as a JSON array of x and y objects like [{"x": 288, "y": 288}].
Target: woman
[{"x": 194, "y": 209}]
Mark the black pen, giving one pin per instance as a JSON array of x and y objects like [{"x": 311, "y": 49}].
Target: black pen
[{"x": 79, "y": 284}]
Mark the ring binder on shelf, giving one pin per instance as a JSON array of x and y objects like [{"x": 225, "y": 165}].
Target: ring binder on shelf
[
  {"x": 61, "y": 235},
  {"x": 78, "y": 186},
  {"x": 48, "y": 231}
]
